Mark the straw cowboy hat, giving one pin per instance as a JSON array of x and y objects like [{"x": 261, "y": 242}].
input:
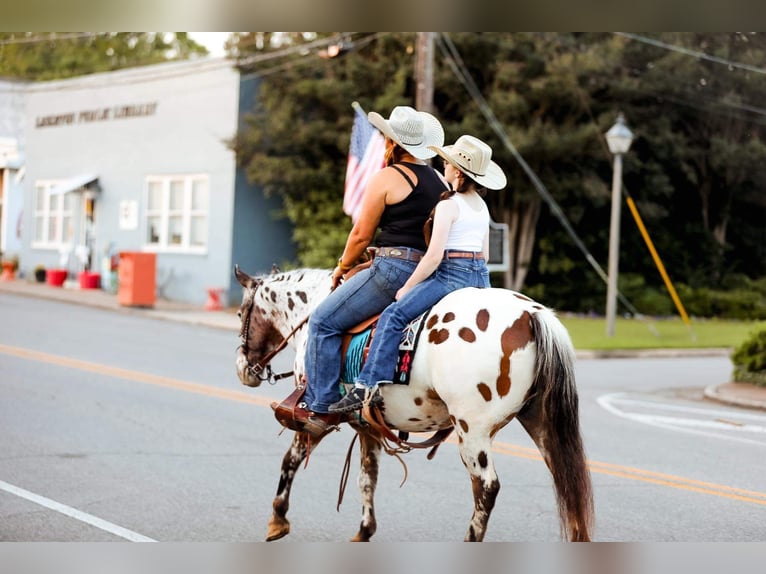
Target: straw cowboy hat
[
  {"x": 474, "y": 158},
  {"x": 413, "y": 130}
]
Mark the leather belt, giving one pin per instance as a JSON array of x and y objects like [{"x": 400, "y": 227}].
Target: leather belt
[
  {"x": 406, "y": 253},
  {"x": 463, "y": 255}
]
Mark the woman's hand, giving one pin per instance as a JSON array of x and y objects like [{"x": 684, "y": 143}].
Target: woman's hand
[
  {"x": 403, "y": 290},
  {"x": 337, "y": 276}
]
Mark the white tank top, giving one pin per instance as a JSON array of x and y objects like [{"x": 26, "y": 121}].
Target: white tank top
[{"x": 468, "y": 230}]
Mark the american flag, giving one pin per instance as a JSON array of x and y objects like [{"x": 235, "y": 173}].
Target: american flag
[{"x": 365, "y": 157}]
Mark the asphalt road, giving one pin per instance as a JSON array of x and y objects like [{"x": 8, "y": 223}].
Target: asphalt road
[{"x": 121, "y": 427}]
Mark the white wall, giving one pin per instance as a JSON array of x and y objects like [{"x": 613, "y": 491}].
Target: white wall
[{"x": 190, "y": 109}]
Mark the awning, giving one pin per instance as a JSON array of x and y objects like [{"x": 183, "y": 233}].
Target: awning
[{"x": 74, "y": 184}]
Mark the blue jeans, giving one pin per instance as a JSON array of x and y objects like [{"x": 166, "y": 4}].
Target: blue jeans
[
  {"x": 451, "y": 274},
  {"x": 362, "y": 296}
]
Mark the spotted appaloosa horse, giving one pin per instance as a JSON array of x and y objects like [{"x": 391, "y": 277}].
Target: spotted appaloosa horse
[{"x": 484, "y": 358}]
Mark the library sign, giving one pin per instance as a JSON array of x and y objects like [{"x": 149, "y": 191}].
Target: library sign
[{"x": 97, "y": 115}]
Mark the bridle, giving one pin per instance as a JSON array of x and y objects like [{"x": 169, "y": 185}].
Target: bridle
[{"x": 262, "y": 368}]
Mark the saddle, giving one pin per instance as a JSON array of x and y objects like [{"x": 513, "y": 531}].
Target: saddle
[{"x": 354, "y": 349}]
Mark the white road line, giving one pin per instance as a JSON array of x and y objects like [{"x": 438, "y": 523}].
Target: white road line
[
  {"x": 608, "y": 402},
  {"x": 620, "y": 398},
  {"x": 76, "y": 514}
]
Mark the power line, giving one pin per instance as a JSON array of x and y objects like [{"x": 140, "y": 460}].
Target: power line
[
  {"x": 54, "y": 36},
  {"x": 693, "y": 53}
]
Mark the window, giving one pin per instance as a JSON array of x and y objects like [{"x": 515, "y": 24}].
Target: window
[
  {"x": 54, "y": 216},
  {"x": 177, "y": 212}
]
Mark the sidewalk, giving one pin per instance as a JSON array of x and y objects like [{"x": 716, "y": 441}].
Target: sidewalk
[
  {"x": 737, "y": 394},
  {"x": 170, "y": 310}
]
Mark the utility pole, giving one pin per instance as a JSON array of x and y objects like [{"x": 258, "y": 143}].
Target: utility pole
[{"x": 424, "y": 72}]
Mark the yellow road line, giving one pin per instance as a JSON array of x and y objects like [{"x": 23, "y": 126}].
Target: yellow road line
[
  {"x": 136, "y": 376},
  {"x": 518, "y": 451}
]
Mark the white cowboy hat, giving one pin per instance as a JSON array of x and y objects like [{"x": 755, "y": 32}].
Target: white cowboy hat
[
  {"x": 413, "y": 130},
  {"x": 474, "y": 158}
]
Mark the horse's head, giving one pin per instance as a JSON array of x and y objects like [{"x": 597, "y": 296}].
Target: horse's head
[{"x": 258, "y": 332}]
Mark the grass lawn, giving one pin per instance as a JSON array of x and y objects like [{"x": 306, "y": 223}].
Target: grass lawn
[{"x": 651, "y": 333}]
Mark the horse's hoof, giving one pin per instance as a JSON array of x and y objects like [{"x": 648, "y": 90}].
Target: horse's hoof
[
  {"x": 277, "y": 529},
  {"x": 359, "y": 537}
]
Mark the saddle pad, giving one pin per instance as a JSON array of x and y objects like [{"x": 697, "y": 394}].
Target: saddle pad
[{"x": 407, "y": 347}]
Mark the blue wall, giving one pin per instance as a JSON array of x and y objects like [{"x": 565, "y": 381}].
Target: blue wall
[{"x": 261, "y": 236}]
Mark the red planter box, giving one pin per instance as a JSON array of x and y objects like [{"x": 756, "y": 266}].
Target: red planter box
[
  {"x": 55, "y": 277},
  {"x": 89, "y": 280}
]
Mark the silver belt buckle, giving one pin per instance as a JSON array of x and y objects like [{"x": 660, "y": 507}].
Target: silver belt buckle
[{"x": 396, "y": 252}]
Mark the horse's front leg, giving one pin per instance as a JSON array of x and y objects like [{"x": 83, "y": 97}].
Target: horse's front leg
[
  {"x": 279, "y": 526},
  {"x": 369, "y": 446},
  {"x": 475, "y": 448}
]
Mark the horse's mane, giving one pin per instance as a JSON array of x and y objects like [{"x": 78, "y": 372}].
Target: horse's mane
[{"x": 298, "y": 290}]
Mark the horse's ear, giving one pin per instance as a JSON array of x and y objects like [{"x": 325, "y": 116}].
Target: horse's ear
[
  {"x": 244, "y": 279},
  {"x": 275, "y": 269}
]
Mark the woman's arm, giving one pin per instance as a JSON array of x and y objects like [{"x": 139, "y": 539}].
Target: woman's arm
[
  {"x": 363, "y": 231},
  {"x": 444, "y": 216}
]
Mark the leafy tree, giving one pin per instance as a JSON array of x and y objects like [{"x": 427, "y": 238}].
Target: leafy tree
[
  {"x": 50, "y": 56},
  {"x": 695, "y": 168},
  {"x": 296, "y": 141}
]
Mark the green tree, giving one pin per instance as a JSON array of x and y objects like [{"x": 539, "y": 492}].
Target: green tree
[
  {"x": 296, "y": 141},
  {"x": 51, "y": 55},
  {"x": 695, "y": 168}
]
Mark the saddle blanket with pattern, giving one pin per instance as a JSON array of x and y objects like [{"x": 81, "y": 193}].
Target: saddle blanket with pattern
[{"x": 355, "y": 354}]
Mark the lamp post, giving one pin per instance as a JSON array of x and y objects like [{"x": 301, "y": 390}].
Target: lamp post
[{"x": 618, "y": 138}]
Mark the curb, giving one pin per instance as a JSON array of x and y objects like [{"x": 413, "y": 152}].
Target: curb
[
  {"x": 652, "y": 353},
  {"x": 712, "y": 392}
]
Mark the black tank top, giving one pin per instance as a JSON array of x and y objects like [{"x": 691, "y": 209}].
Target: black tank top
[{"x": 401, "y": 224}]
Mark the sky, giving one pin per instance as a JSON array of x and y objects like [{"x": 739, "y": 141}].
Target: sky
[{"x": 213, "y": 41}]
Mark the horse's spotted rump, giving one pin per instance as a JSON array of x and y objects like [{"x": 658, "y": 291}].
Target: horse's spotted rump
[
  {"x": 482, "y": 320},
  {"x": 449, "y": 317},
  {"x": 467, "y": 335},
  {"x": 485, "y": 391},
  {"x": 517, "y": 336},
  {"x": 432, "y": 320},
  {"x": 438, "y": 336}
]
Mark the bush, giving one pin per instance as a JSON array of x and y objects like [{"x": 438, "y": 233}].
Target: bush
[
  {"x": 742, "y": 302},
  {"x": 749, "y": 360}
]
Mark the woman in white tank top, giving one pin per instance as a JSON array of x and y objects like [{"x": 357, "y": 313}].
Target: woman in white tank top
[{"x": 456, "y": 258}]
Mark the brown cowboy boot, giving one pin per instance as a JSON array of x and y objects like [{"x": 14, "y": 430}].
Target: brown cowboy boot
[{"x": 293, "y": 413}]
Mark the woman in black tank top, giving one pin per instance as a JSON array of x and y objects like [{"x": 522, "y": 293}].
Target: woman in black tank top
[{"x": 397, "y": 202}]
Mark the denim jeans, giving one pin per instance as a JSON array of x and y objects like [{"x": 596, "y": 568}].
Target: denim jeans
[
  {"x": 363, "y": 295},
  {"x": 451, "y": 274}
]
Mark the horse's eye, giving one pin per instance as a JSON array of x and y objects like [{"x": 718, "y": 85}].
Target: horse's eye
[{"x": 239, "y": 314}]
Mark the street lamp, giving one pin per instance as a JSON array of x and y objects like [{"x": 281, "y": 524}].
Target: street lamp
[{"x": 618, "y": 138}]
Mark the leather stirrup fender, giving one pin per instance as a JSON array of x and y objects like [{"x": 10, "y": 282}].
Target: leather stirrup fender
[{"x": 285, "y": 411}]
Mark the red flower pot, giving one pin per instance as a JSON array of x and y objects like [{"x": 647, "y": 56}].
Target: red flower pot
[
  {"x": 89, "y": 280},
  {"x": 55, "y": 277}
]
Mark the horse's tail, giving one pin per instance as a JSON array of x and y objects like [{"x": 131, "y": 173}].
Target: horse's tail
[{"x": 559, "y": 431}]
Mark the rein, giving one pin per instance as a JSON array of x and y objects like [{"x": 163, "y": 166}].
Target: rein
[
  {"x": 264, "y": 365},
  {"x": 374, "y": 418}
]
